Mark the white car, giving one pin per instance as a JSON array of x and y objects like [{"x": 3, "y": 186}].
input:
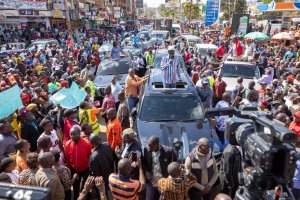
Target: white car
[{"x": 231, "y": 70}]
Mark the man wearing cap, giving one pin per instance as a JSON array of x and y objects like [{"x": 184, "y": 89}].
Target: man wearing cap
[
  {"x": 295, "y": 124},
  {"x": 130, "y": 148},
  {"x": 7, "y": 139},
  {"x": 205, "y": 92},
  {"x": 170, "y": 67}
]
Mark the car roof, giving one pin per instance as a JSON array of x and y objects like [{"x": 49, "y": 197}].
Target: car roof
[
  {"x": 190, "y": 36},
  {"x": 44, "y": 41},
  {"x": 206, "y": 46},
  {"x": 239, "y": 63},
  {"x": 159, "y": 31},
  {"x": 154, "y": 84}
]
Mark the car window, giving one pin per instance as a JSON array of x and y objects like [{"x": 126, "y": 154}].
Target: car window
[
  {"x": 110, "y": 67},
  {"x": 234, "y": 70},
  {"x": 192, "y": 42},
  {"x": 184, "y": 108}
]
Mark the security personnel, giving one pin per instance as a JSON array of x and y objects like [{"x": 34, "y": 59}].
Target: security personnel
[
  {"x": 202, "y": 164},
  {"x": 91, "y": 84},
  {"x": 150, "y": 57},
  {"x": 89, "y": 114}
]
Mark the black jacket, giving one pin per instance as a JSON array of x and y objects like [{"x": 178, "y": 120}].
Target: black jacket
[
  {"x": 101, "y": 162},
  {"x": 231, "y": 165},
  {"x": 31, "y": 134},
  {"x": 167, "y": 155},
  {"x": 134, "y": 147}
]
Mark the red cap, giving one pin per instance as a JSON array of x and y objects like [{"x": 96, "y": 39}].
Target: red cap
[
  {"x": 297, "y": 114},
  {"x": 64, "y": 83},
  {"x": 264, "y": 102},
  {"x": 290, "y": 78}
]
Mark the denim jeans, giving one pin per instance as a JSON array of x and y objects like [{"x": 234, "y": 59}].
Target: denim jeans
[
  {"x": 132, "y": 102},
  {"x": 152, "y": 192},
  {"x": 168, "y": 85}
]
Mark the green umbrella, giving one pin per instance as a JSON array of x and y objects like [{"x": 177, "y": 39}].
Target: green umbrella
[{"x": 257, "y": 36}]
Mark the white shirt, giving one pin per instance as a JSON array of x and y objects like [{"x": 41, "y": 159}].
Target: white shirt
[
  {"x": 115, "y": 89},
  {"x": 140, "y": 63},
  {"x": 221, "y": 120},
  {"x": 49, "y": 52},
  {"x": 54, "y": 140}
]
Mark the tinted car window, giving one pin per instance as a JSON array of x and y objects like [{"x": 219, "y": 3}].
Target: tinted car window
[
  {"x": 184, "y": 108},
  {"x": 235, "y": 70},
  {"x": 111, "y": 67}
]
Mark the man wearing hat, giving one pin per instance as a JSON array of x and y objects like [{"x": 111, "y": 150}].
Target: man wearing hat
[
  {"x": 170, "y": 67},
  {"x": 205, "y": 92},
  {"x": 130, "y": 149},
  {"x": 295, "y": 124}
]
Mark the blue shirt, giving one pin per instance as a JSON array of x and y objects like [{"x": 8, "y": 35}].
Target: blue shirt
[
  {"x": 115, "y": 52},
  {"x": 296, "y": 179},
  {"x": 170, "y": 71}
]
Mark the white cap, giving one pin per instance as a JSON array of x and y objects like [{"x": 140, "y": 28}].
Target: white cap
[{"x": 171, "y": 48}]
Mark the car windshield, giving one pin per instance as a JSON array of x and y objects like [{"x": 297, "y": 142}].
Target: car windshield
[
  {"x": 204, "y": 51},
  {"x": 239, "y": 70},
  {"x": 159, "y": 35},
  {"x": 111, "y": 67},
  {"x": 171, "y": 108},
  {"x": 158, "y": 58},
  {"x": 193, "y": 42},
  {"x": 134, "y": 51}
]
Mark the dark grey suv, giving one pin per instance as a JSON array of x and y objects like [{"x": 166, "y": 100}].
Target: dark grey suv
[{"x": 176, "y": 116}]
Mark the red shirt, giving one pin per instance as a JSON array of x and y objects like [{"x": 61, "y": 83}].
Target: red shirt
[
  {"x": 68, "y": 123},
  {"x": 78, "y": 155},
  {"x": 220, "y": 51},
  {"x": 219, "y": 88},
  {"x": 295, "y": 127},
  {"x": 187, "y": 57}
]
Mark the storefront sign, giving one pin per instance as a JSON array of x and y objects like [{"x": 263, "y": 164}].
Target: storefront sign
[
  {"x": 58, "y": 14},
  {"x": 29, "y": 12},
  {"x": 117, "y": 12},
  {"x": 212, "y": 12},
  {"x": 103, "y": 15},
  {"x": 58, "y": 6},
  {"x": 26, "y": 5}
]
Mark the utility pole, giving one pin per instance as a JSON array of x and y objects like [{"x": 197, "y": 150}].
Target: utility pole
[{"x": 68, "y": 16}]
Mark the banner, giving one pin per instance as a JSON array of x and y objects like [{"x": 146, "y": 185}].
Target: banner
[
  {"x": 9, "y": 4},
  {"x": 69, "y": 98},
  {"x": 212, "y": 12},
  {"x": 10, "y": 101},
  {"x": 57, "y": 14}
]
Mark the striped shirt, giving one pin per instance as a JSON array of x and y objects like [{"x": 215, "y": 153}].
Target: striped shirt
[
  {"x": 176, "y": 188},
  {"x": 123, "y": 187},
  {"x": 170, "y": 71}
]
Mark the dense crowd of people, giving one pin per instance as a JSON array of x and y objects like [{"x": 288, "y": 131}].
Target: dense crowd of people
[{"x": 43, "y": 144}]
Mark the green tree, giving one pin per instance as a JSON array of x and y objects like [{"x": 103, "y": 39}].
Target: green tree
[
  {"x": 230, "y": 7},
  {"x": 168, "y": 12},
  {"x": 191, "y": 10},
  {"x": 269, "y": 1}
]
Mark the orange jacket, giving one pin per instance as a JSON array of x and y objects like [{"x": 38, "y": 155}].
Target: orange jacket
[{"x": 114, "y": 133}]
